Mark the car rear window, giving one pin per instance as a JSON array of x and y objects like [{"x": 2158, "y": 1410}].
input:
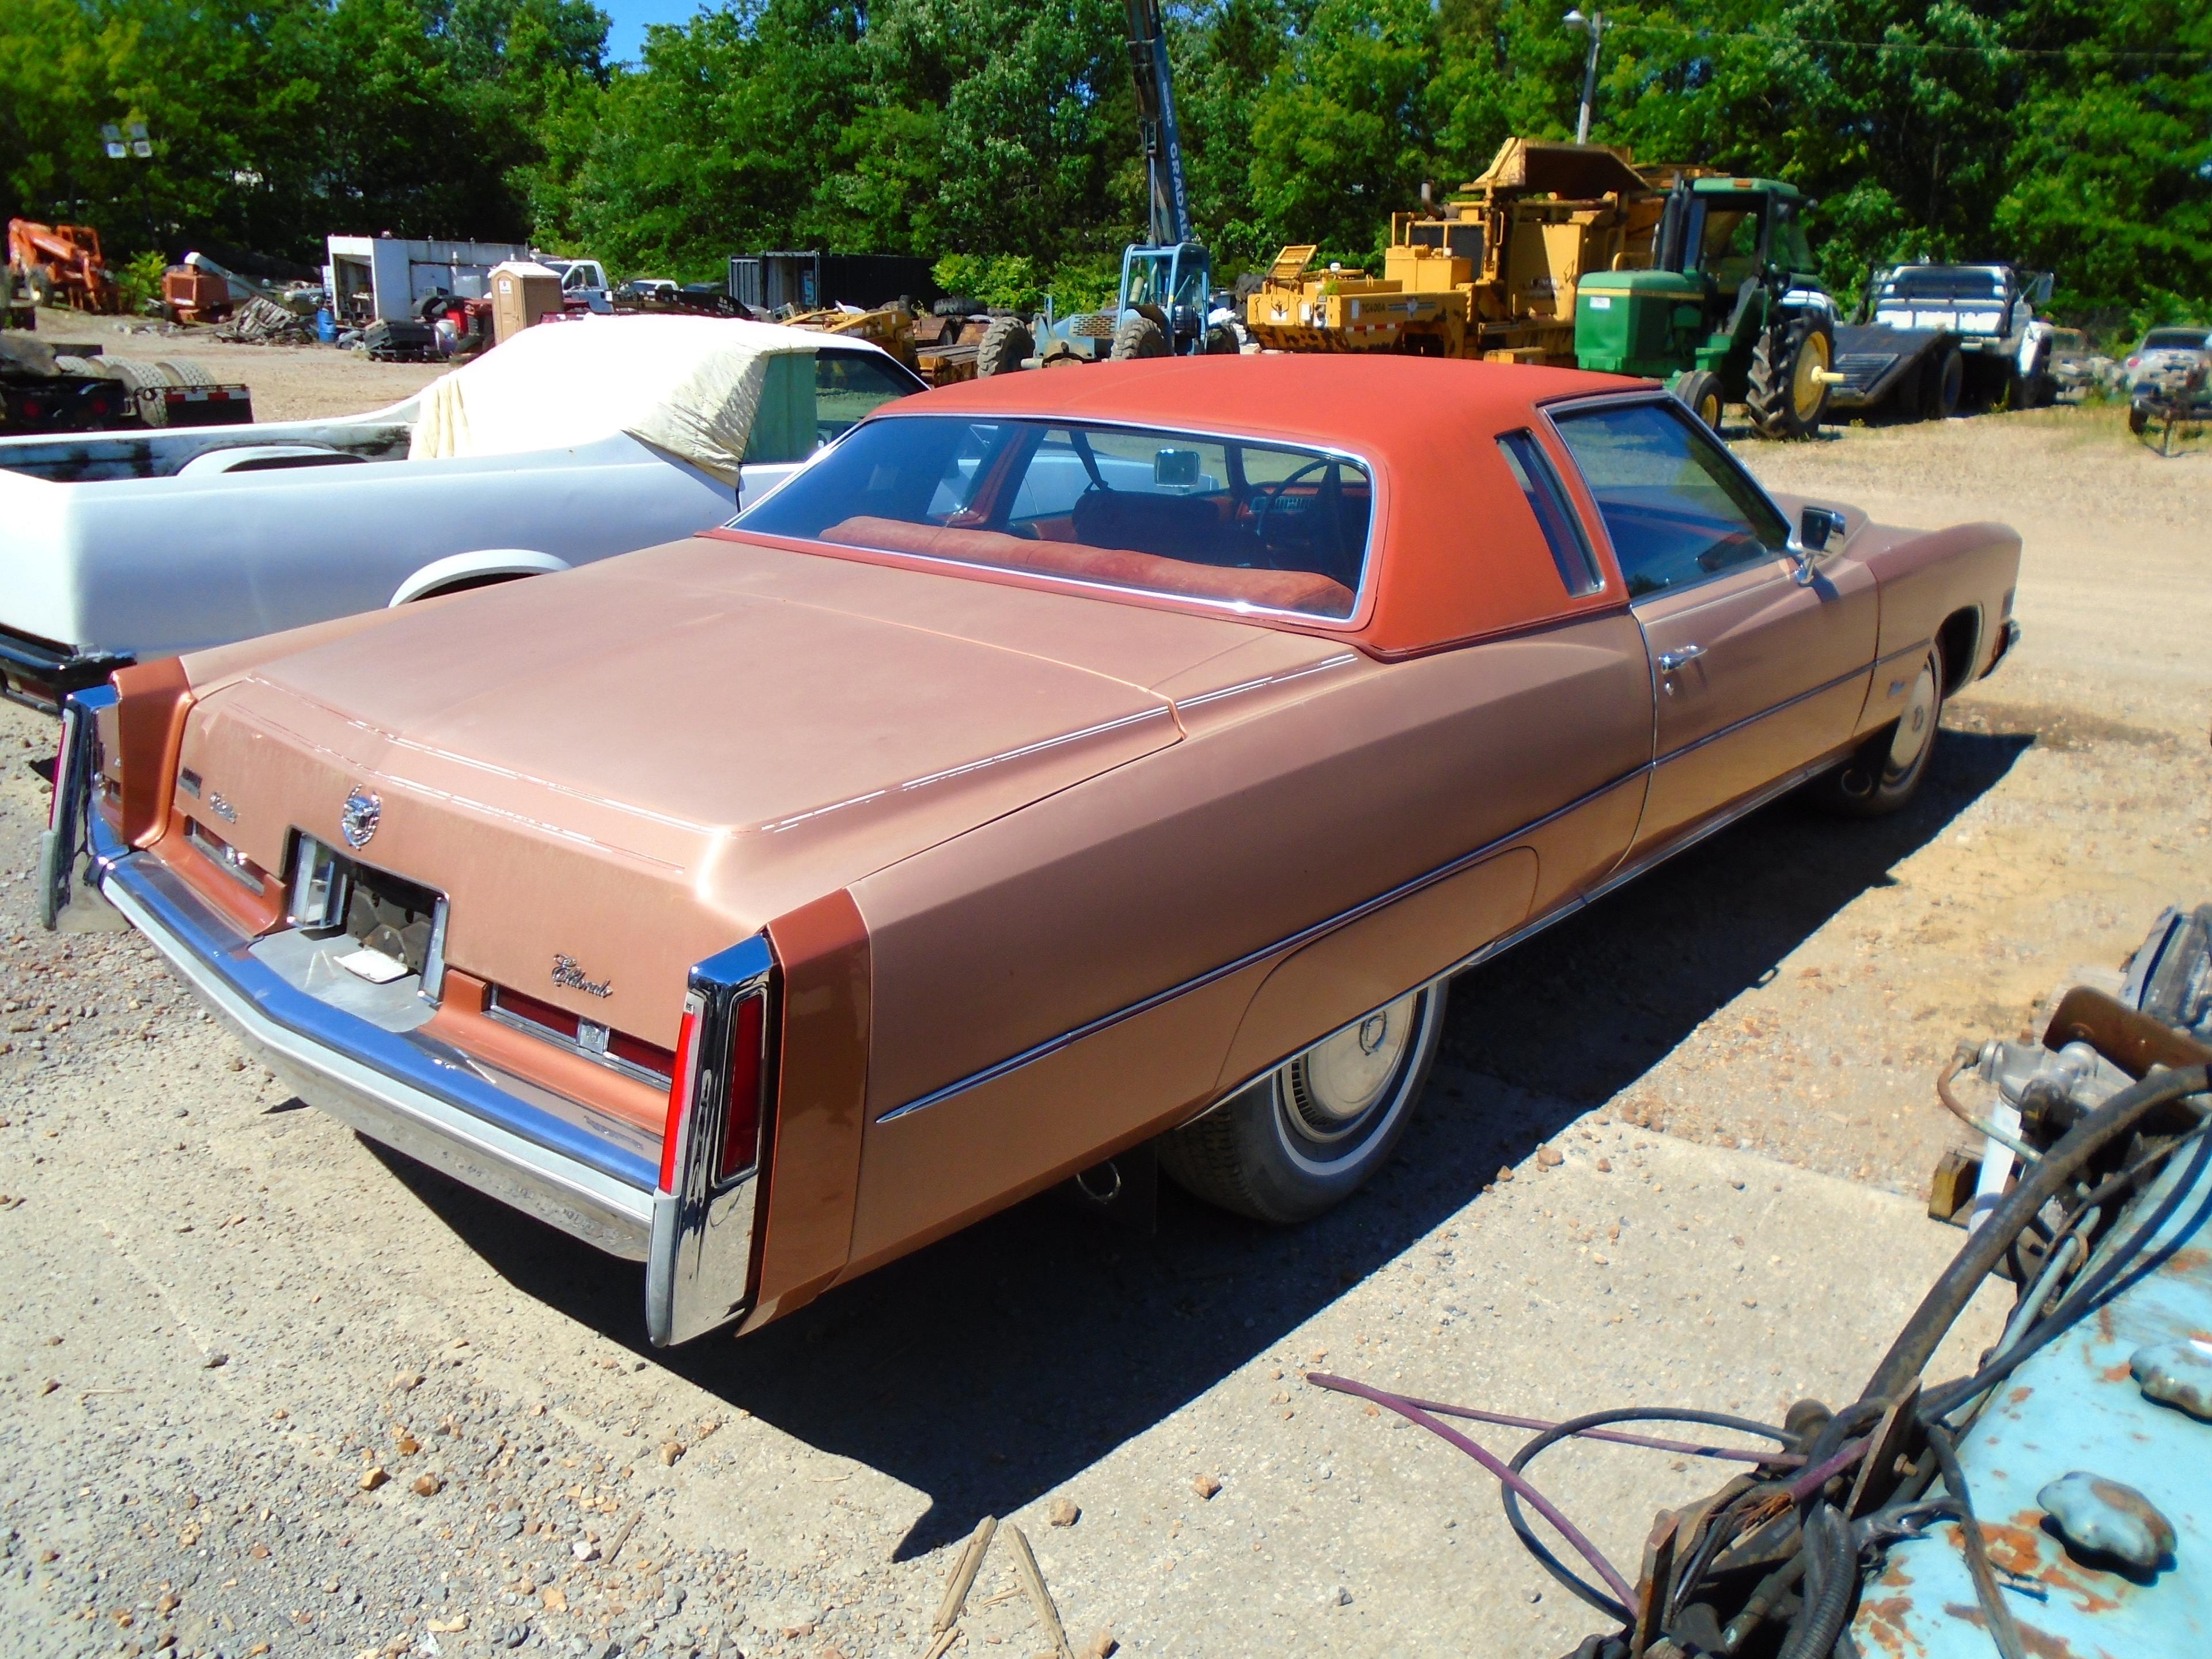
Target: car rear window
[
  {"x": 2174, "y": 339},
  {"x": 1256, "y": 526},
  {"x": 807, "y": 398},
  {"x": 1945, "y": 282}
]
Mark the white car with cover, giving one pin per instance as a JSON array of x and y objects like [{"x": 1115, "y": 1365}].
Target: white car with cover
[{"x": 572, "y": 441}]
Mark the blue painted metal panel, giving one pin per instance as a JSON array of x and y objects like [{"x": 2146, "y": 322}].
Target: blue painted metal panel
[{"x": 2076, "y": 1406}]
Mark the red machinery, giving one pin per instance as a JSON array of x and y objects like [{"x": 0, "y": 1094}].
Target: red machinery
[{"x": 62, "y": 260}]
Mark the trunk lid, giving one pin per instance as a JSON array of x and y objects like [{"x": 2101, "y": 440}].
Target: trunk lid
[{"x": 629, "y": 765}]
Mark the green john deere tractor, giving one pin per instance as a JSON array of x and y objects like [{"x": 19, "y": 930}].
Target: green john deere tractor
[{"x": 1730, "y": 310}]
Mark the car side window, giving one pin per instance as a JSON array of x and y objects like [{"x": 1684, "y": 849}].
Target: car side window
[
  {"x": 1676, "y": 507},
  {"x": 1555, "y": 516}
]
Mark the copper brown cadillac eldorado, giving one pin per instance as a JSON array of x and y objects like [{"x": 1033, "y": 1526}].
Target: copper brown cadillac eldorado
[{"x": 1059, "y": 763}]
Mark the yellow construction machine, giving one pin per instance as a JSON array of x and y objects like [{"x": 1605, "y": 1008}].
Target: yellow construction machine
[
  {"x": 1490, "y": 274},
  {"x": 941, "y": 350}
]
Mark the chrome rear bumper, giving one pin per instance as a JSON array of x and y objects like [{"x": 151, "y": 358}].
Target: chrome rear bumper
[
  {"x": 417, "y": 1095},
  {"x": 556, "y": 1160}
]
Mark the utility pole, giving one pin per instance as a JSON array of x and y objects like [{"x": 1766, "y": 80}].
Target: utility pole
[{"x": 1595, "y": 26}]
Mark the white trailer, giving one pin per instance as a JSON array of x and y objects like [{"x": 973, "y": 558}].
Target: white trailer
[{"x": 386, "y": 278}]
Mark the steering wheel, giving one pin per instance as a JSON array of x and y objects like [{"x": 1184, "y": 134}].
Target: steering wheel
[{"x": 1291, "y": 536}]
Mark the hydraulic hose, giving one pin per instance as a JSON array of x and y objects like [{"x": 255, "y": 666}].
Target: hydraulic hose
[
  {"x": 2038, "y": 1186},
  {"x": 1831, "y": 1576}
]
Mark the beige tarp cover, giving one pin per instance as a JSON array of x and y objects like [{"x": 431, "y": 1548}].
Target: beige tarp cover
[{"x": 690, "y": 385}]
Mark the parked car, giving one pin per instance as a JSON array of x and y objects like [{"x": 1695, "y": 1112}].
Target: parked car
[
  {"x": 2171, "y": 369},
  {"x": 563, "y": 446},
  {"x": 1058, "y": 765}
]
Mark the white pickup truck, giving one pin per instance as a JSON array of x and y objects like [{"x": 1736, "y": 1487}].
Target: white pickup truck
[{"x": 575, "y": 441}]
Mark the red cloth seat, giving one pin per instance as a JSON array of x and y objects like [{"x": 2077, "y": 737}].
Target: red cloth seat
[{"x": 1275, "y": 590}]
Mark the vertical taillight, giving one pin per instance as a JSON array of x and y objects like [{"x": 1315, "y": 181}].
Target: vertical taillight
[
  {"x": 741, "y": 1116},
  {"x": 682, "y": 1089},
  {"x": 714, "y": 1100}
]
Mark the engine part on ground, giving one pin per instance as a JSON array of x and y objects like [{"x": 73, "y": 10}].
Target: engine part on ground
[{"x": 2050, "y": 1502}]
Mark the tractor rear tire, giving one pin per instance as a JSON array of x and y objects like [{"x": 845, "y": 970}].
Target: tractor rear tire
[
  {"x": 1007, "y": 344},
  {"x": 1785, "y": 397},
  {"x": 41, "y": 285},
  {"x": 1221, "y": 341},
  {"x": 1138, "y": 336},
  {"x": 1700, "y": 391}
]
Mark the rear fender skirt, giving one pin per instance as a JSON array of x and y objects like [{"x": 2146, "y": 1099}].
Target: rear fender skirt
[{"x": 813, "y": 1171}]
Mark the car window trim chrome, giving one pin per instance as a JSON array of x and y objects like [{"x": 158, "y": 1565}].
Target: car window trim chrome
[
  {"x": 1053, "y": 581},
  {"x": 1587, "y": 402}
]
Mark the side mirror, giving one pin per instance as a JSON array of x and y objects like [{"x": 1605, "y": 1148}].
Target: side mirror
[
  {"x": 2039, "y": 295},
  {"x": 1816, "y": 527}
]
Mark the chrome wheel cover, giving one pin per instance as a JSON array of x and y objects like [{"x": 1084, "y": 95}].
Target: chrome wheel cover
[
  {"x": 1330, "y": 1092},
  {"x": 1916, "y": 727}
]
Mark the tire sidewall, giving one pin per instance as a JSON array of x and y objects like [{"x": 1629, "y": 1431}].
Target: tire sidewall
[
  {"x": 1888, "y": 794},
  {"x": 1288, "y": 1183}
]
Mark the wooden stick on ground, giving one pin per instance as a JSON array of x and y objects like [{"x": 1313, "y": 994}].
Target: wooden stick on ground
[
  {"x": 944, "y": 1640},
  {"x": 1048, "y": 1614},
  {"x": 963, "y": 1573}
]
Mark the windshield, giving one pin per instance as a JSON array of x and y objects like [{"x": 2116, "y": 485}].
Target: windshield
[
  {"x": 1260, "y": 526},
  {"x": 2174, "y": 339}
]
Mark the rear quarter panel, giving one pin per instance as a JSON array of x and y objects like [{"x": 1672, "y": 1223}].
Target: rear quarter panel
[
  {"x": 1257, "y": 826},
  {"x": 1927, "y": 577}
]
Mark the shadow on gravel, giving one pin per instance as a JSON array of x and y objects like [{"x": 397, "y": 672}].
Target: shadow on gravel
[{"x": 990, "y": 1368}]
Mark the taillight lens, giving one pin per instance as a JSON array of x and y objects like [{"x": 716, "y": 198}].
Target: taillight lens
[
  {"x": 744, "y": 1077},
  {"x": 741, "y": 1116},
  {"x": 681, "y": 1090}
]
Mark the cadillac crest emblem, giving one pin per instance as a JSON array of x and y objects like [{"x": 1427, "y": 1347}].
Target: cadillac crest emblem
[{"x": 357, "y": 818}]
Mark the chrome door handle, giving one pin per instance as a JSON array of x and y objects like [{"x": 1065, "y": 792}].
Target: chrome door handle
[{"x": 1674, "y": 662}]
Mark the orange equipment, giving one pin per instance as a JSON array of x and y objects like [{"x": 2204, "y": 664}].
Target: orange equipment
[
  {"x": 64, "y": 260},
  {"x": 191, "y": 295}
]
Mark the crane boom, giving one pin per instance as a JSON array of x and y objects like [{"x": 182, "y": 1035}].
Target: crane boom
[{"x": 1156, "y": 121}]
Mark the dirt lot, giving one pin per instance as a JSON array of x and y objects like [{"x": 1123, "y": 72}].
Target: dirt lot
[{"x": 229, "y": 1315}]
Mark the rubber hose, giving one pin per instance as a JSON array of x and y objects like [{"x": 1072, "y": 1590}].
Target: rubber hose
[
  {"x": 1831, "y": 1576},
  {"x": 2051, "y": 1175}
]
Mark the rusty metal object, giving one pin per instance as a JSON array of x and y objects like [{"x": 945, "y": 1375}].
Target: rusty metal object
[
  {"x": 2103, "y": 1518},
  {"x": 2178, "y": 1374},
  {"x": 1952, "y": 1186},
  {"x": 2131, "y": 1041}
]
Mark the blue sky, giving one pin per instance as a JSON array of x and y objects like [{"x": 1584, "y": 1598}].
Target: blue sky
[{"x": 626, "y": 39}]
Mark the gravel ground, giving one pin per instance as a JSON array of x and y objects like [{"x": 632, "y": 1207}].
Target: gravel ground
[{"x": 266, "y": 1389}]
